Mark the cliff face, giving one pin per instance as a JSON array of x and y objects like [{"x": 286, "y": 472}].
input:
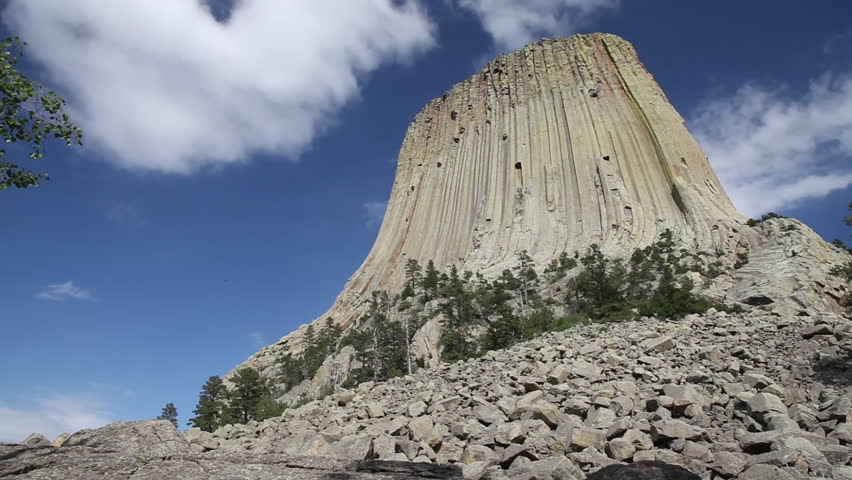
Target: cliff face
[{"x": 564, "y": 143}]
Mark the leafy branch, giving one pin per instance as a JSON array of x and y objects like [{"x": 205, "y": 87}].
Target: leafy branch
[{"x": 28, "y": 113}]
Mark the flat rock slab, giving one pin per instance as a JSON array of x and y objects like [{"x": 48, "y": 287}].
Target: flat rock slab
[
  {"x": 85, "y": 463},
  {"x": 122, "y": 450}
]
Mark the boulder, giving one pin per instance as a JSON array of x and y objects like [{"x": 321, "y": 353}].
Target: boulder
[
  {"x": 729, "y": 464},
  {"x": 489, "y": 414},
  {"x": 657, "y": 345},
  {"x": 643, "y": 470},
  {"x": 548, "y": 413},
  {"x": 585, "y": 437},
  {"x": 479, "y": 453},
  {"x": 352, "y": 447},
  {"x": 682, "y": 395},
  {"x": 665, "y": 430},
  {"x": 620, "y": 449},
  {"x": 36, "y": 440},
  {"x": 196, "y": 436},
  {"x": 765, "y": 472},
  {"x": 416, "y": 409},
  {"x": 814, "y": 330},
  {"x": 584, "y": 369},
  {"x": 60, "y": 440},
  {"x": 306, "y": 443},
  {"x": 762, "y": 405},
  {"x": 142, "y": 439},
  {"x": 420, "y": 427}
]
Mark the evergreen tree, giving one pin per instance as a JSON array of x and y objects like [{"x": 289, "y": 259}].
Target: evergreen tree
[
  {"x": 318, "y": 347},
  {"x": 559, "y": 267},
  {"x": 597, "y": 290},
  {"x": 413, "y": 279},
  {"x": 169, "y": 413},
  {"x": 379, "y": 306},
  {"x": 267, "y": 407},
  {"x": 431, "y": 281},
  {"x": 527, "y": 279},
  {"x": 503, "y": 327},
  {"x": 848, "y": 218},
  {"x": 291, "y": 371},
  {"x": 211, "y": 404},
  {"x": 460, "y": 314},
  {"x": 243, "y": 400}
]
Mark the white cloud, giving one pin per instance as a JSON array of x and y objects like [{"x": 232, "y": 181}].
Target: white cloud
[
  {"x": 163, "y": 86},
  {"x": 374, "y": 213},
  {"x": 771, "y": 151},
  {"x": 63, "y": 291},
  {"x": 53, "y": 415},
  {"x": 514, "y": 23},
  {"x": 125, "y": 214}
]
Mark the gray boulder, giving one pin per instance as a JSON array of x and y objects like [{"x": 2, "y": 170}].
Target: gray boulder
[
  {"x": 644, "y": 470},
  {"x": 36, "y": 440}
]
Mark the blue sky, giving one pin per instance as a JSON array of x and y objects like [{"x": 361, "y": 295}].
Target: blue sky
[{"x": 234, "y": 173}]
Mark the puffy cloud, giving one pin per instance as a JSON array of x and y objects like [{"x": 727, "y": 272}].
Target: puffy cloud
[
  {"x": 63, "y": 291},
  {"x": 164, "y": 86},
  {"x": 374, "y": 213},
  {"x": 772, "y": 151},
  {"x": 52, "y": 415},
  {"x": 513, "y": 23}
]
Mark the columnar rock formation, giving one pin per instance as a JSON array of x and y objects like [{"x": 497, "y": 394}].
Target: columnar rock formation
[{"x": 564, "y": 143}]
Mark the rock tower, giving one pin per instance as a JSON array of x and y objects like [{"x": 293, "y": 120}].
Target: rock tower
[{"x": 564, "y": 143}]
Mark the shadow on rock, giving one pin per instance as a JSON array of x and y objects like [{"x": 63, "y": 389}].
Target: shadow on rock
[{"x": 645, "y": 470}]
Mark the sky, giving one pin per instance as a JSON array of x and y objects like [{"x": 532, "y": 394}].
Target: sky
[{"x": 238, "y": 157}]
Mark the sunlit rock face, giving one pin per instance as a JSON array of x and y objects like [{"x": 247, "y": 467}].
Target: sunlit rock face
[
  {"x": 562, "y": 144},
  {"x": 565, "y": 143}
]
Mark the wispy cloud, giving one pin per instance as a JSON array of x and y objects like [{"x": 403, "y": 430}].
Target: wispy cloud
[
  {"x": 64, "y": 291},
  {"x": 258, "y": 339},
  {"x": 374, "y": 213},
  {"x": 772, "y": 150},
  {"x": 513, "y": 23},
  {"x": 172, "y": 86},
  {"x": 125, "y": 214},
  {"x": 838, "y": 43},
  {"x": 53, "y": 415}
]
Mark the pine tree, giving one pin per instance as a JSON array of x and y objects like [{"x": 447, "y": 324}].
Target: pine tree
[
  {"x": 559, "y": 267},
  {"x": 503, "y": 327},
  {"x": 460, "y": 313},
  {"x": 243, "y": 399},
  {"x": 378, "y": 317},
  {"x": 209, "y": 411},
  {"x": 413, "y": 277},
  {"x": 318, "y": 347},
  {"x": 431, "y": 281},
  {"x": 267, "y": 407},
  {"x": 409, "y": 317},
  {"x": 169, "y": 413},
  {"x": 527, "y": 278}
]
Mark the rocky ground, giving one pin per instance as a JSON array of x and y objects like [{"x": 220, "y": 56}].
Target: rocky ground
[
  {"x": 752, "y": 396},
  {"x": 155, "y": 450}
]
